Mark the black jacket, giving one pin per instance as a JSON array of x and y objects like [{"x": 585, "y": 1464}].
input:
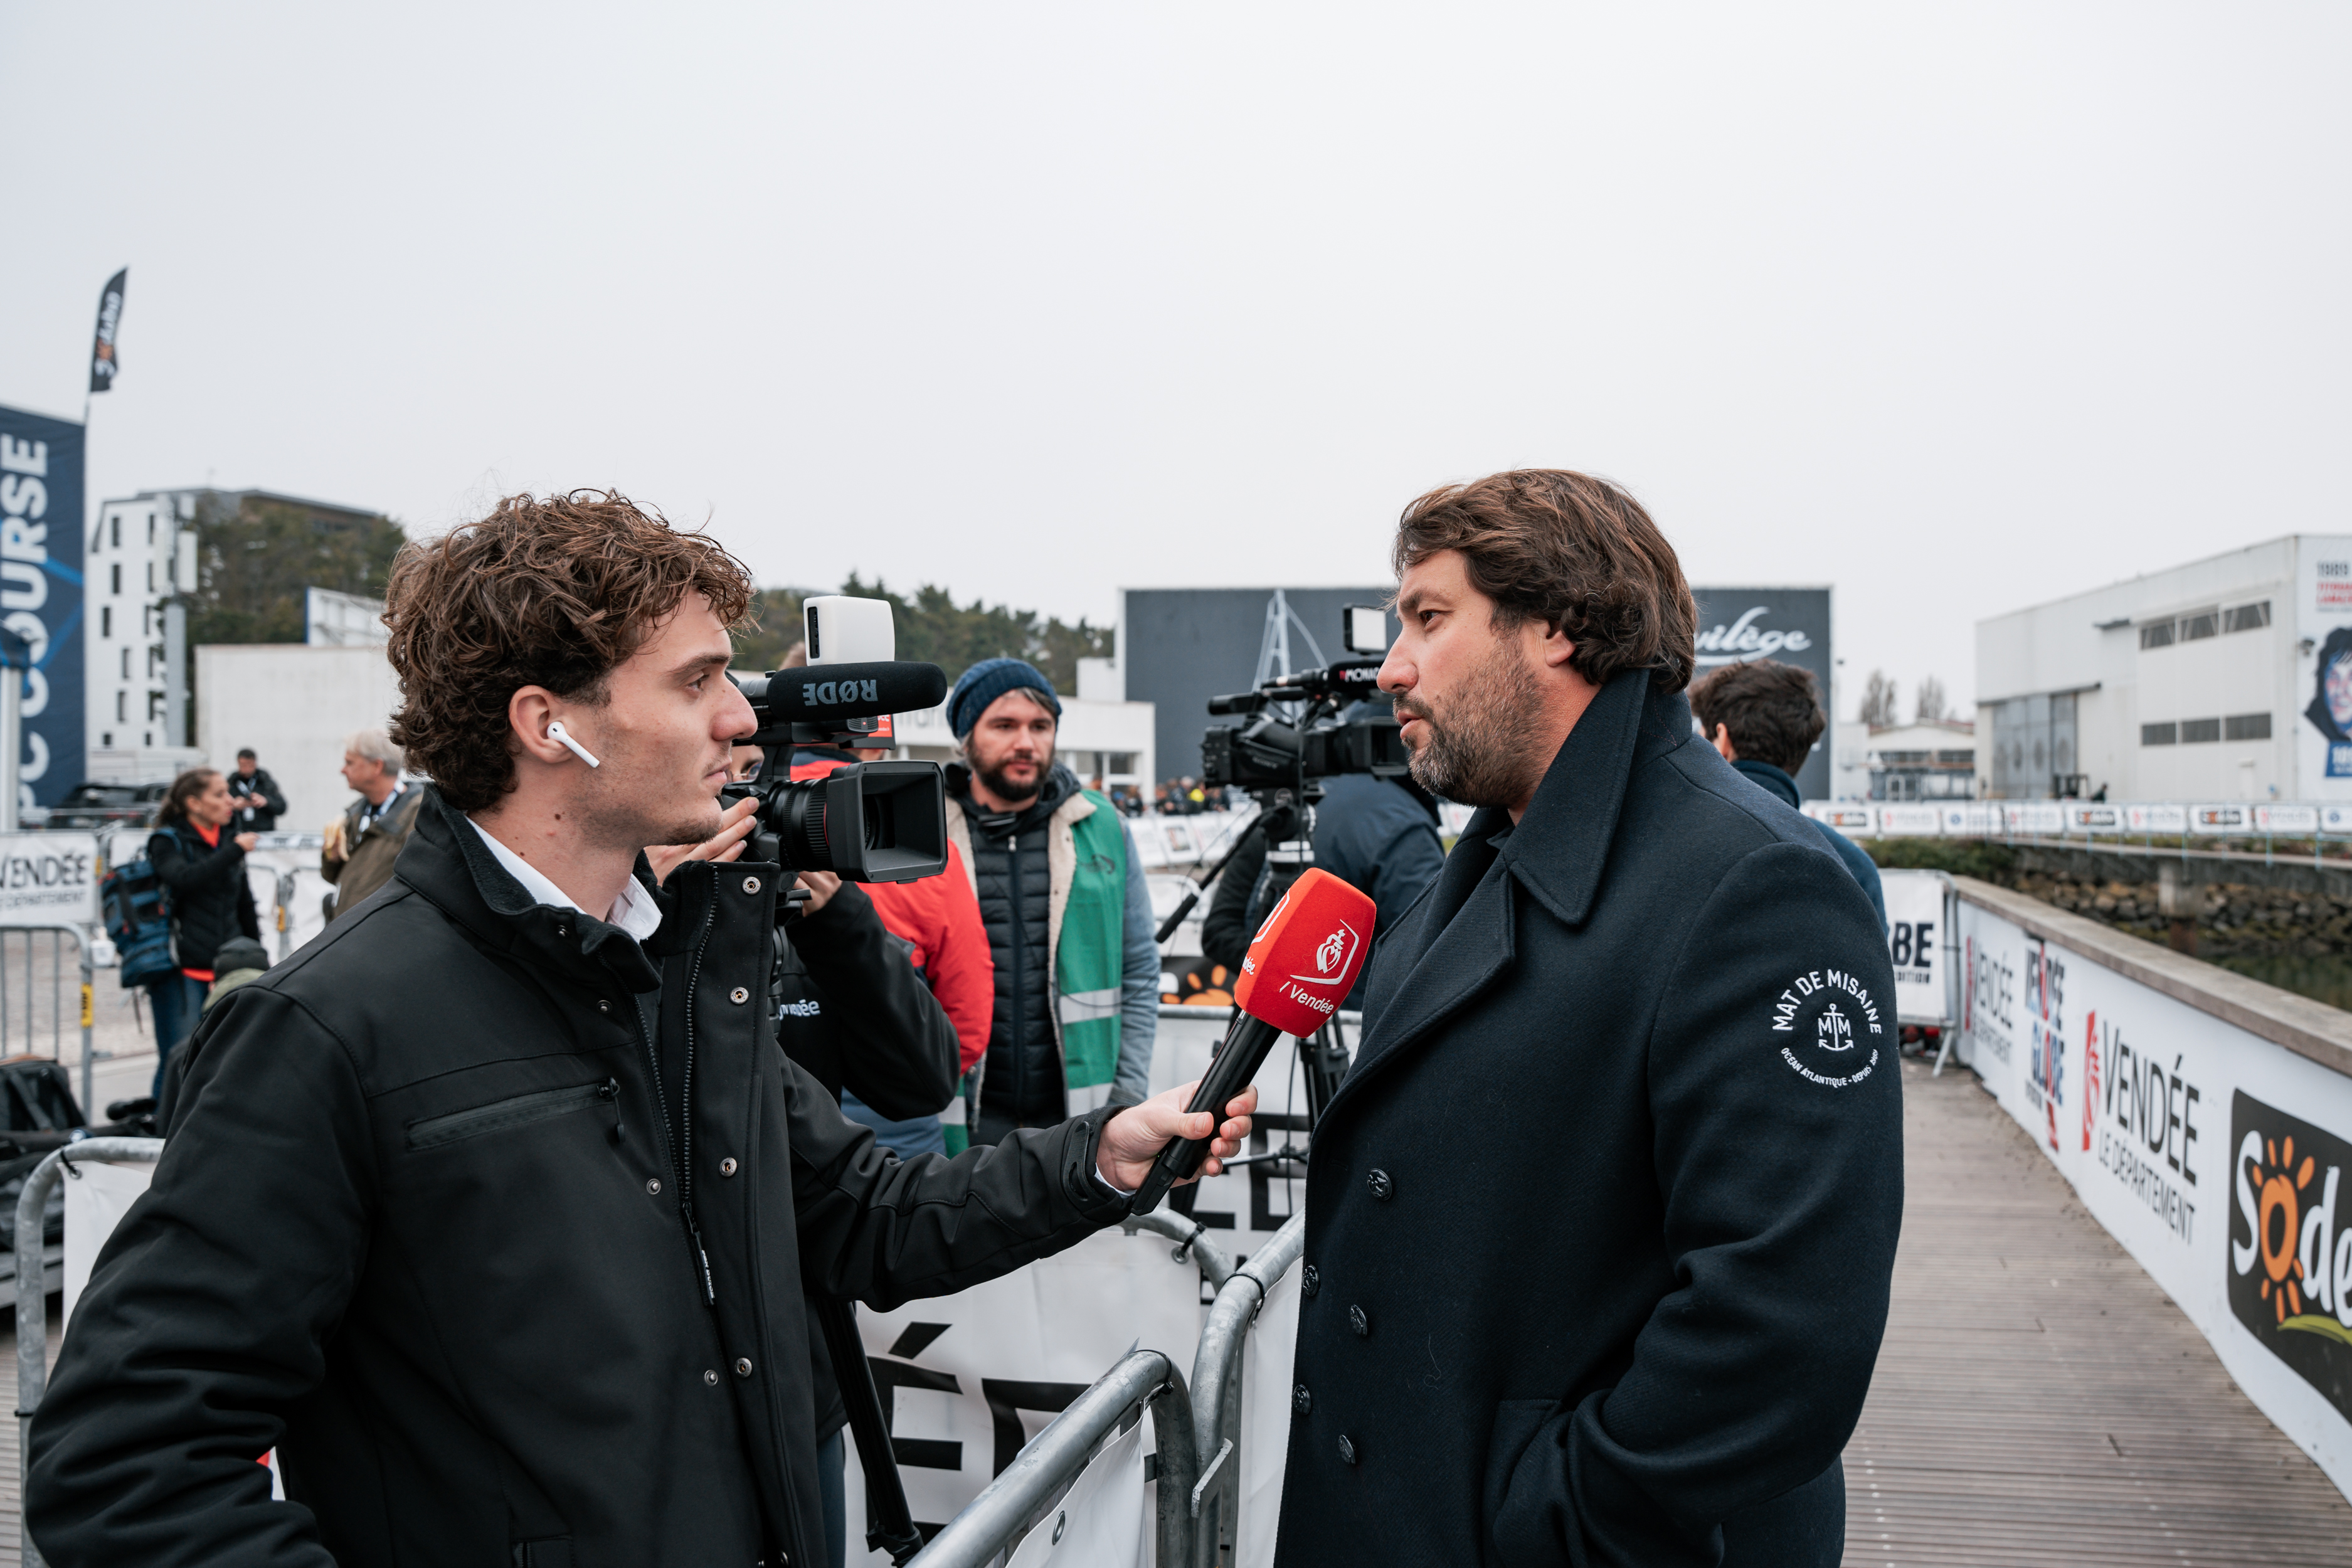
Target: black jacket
[
  {"x": 1371, "y": 833},
  {"x": 1023, "y": 1081},
  {"x": 256, "y": 819},
  {"x": 1856, "y": 860},
  {"x": 1602, "y": 1217},
  {"x": 851, "y": 1010},
  {"x": 211, "y": 900},
  {"x": 420, "y": 1226}
]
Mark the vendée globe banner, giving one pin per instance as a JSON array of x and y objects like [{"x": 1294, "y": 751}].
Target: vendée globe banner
[{"x": 41, "y": 592}]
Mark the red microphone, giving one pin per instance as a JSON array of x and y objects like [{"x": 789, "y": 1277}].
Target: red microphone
[{"x": 1300, "y": 965}]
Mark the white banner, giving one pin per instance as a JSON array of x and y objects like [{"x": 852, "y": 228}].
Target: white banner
[
  {"x": 2217, "y": 1157},
  {"x": 1853, "y": 821},
  {"x": 97, "y": 1195},
  {"x": 970, "y": 1378},
  {"x": 1909, "y": 821},
  {"x": 1915, "y": 937},
  {"x": 48, "y": 879}
]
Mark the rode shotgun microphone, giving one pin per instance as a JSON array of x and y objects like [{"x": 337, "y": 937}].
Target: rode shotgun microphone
[
  {"x": 828, "y": 693},
  {"x": 1300, "y": 966}
]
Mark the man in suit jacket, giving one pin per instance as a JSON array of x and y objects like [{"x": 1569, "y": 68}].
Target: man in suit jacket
[{"x": 1602, "y": 1217}]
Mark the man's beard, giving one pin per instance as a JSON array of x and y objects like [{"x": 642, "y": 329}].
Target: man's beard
[
  {"x": 1484, "y": 749},
  {"x": 1003, "y": 788}
]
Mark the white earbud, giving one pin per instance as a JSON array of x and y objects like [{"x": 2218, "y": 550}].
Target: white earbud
[{"x": 555, "y": 733}]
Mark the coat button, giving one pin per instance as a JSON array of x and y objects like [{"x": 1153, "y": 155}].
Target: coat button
[
  {"x": 738, "y": 995},
  {"x": 727, "y": 1166},
  {"x": 1310, "y": 1279},
  {"x": 653, "y": 1188},
  {"x": 743, "y": 1366},
  {"x": 750, "y": 884},
  {"x": 603, "y": 1006},
  {"x": 1346, "y": 1450},
  {"x": 563, "y": 929},
  {"x": 1357, "y": 1322},
  {"x": 1380, "y": 1185},
  {"x": 1302, "y": 1401},
  {"x": 709, "y": 1379}
]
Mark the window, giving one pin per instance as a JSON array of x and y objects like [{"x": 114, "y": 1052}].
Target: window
[
  {"x": 1965, "y": 759},
  {"x": 2246, "y": 727},
  {"x": 2200, "y": 731},
  {"x": 106, "y": 621},
  {"x": 2246, "y": 617},
  {"x": 151, "y": 576},
  {"x": 118, "y": 576},
  {"x": 126, "y": 664},
  {"x": 105, "y": 738},
  {"x": 2158, "y": 635},
  {"x": 2203, "y": 624},
  {"x": 2157, "y": 734},
  {"x": 117, "y": 530},
  {"x": 121, "y": 701}
]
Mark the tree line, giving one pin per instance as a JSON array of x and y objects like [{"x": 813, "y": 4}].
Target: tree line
[{"x": 256, "y": 555}]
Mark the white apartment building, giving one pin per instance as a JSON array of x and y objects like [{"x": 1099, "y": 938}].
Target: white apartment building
[
  {"x": 143, "y": 551},
  {"x": 2227, "y": 678},
  {"x": 141, "y": 554}
]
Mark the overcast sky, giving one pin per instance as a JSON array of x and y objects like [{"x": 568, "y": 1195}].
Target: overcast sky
[{"x": 1957, "y": 308}]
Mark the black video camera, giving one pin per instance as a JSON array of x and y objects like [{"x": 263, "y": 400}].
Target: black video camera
[
  {"x": 1271, "y": 752},
  {"x": 865, "y": 822}
]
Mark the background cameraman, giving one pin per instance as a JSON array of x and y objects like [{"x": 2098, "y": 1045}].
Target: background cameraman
[{"x": 1378, "y": 834}]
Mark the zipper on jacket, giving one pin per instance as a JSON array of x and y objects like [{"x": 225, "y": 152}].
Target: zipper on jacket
[
  {"x": 678, "y": 1168},
  {"x": 686, "y": 1128},
  {"x": 516, "y": 1110},
  {"x": 1018, "y": 948}
]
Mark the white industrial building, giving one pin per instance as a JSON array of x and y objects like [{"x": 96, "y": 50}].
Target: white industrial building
[{"x": 2227, "y": 678}]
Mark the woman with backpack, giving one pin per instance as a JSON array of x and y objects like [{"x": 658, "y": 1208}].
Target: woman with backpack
[{"x": 203, "y": 866}]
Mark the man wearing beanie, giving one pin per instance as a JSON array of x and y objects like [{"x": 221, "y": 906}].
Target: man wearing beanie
[{"x": 1068, "y": 910}]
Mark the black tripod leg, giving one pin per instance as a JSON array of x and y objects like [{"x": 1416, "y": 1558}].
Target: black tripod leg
[
  {"x": 890, "y": 1525},
  {"x": 1323, "y": 1060}
]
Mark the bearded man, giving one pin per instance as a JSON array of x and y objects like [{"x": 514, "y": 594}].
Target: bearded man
[
  {"x": 1602, "y": 1221},
  {"x": 1068, "y": 912}
]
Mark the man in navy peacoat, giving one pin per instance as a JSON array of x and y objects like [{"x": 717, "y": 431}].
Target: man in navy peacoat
[{"x": 1602, "y": 1221}]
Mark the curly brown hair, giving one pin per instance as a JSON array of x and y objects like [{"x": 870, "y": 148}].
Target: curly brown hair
[
  {"x": 1574, "y": 552},
  {"x": 553, "y": 591}
]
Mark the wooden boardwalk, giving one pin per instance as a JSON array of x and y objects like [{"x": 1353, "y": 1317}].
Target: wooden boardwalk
[{"x": 2039, "y": 1400}]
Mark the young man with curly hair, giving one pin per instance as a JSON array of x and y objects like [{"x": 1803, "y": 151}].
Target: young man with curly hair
[{"x": 492, "y": 1211}]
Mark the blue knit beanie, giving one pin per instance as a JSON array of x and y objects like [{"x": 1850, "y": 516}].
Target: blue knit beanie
[{"x": 989, "y": 679}]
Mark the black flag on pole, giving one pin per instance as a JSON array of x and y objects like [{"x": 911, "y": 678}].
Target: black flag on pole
[{"x": 102, "y": 360}]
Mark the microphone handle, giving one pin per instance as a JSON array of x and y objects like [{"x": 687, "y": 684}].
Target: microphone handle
[{"x": 1239, "y": 1056}]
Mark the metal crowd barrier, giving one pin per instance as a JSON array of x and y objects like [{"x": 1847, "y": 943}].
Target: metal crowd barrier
[
  {"x": 18, "y": 996},
  {"x": 32, "y": 1296},
  {"x": 1200, "y": 1479}
]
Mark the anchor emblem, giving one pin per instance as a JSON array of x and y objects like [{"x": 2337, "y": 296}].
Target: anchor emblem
[{"x": 1833, "y": 1032}]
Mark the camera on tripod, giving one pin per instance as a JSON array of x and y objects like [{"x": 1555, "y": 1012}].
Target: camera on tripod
[
  {"x": 1275, "y": 751},
  {"x": 865, "y": 822}
]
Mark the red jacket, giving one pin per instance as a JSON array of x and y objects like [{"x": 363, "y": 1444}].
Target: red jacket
[{"x": 939, "y": 916}]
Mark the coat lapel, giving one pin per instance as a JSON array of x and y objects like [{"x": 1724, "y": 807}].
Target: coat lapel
[
  {"x": 1472, "y": 949},
  {"x": 1465, "y": 934}
]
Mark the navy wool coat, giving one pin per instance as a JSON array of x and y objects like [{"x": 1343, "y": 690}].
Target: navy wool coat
[{"x": 1601, "y": 1220}]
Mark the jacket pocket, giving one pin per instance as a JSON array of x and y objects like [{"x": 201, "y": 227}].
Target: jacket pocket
[
  {"x": 1510, "y": 1542},
  {"x": 518, "y": 1110}
]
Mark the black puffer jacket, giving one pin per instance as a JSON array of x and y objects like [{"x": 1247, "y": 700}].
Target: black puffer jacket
[
  {"x": 211, "y": 900},
  {"x": 1022, "y": 1082},
  {"x": 422, "y": 1227}
]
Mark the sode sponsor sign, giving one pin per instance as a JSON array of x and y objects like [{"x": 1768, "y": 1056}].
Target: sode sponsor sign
[{"x": 2172, "y": 1125}]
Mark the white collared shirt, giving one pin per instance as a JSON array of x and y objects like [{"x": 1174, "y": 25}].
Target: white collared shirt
[{"x": 633, "y": 912}]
